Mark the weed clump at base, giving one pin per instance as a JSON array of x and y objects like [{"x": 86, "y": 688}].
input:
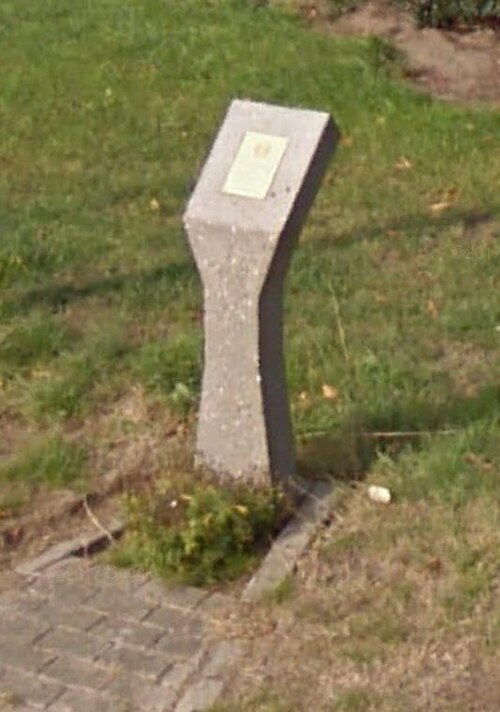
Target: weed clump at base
[{"x": 199, "y": 531}]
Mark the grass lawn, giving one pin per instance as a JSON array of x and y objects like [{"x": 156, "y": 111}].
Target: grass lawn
[{"x": 393, "y": 307}]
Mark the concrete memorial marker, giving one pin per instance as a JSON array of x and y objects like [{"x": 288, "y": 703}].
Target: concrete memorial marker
[{"x": 242, "y": 222}]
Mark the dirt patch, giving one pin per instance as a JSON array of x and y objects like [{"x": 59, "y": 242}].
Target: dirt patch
[
  {"x": 457, "y": 66},
  {"x": 380, "y": 618},
  {"x": 131, "y": 442},
  {"x": 468, "y": 366}
]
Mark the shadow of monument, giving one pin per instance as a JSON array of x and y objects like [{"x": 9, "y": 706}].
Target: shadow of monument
[
  {"x": 56, "y": 295},
  {"x": 346, "y": 454},
  {"x": 419, "y": 221}
]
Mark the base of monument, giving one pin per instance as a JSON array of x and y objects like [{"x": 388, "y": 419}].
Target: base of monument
[{"x": 296, "y": 530}]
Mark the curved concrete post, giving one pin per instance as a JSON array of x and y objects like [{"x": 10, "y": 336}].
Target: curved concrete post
[{"x": 242, "y": 223}]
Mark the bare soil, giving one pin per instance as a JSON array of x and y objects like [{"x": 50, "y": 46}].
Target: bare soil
[
  {"x": 461, "y": 66},
  {"x": 132, "y": 441}
]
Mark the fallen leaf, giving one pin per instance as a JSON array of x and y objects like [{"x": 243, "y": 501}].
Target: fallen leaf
[
  {"x": 154, "y": 205},
  {"x": 304, "y": 397},
  {"x": 441, "y": 206},
  {"x": 312, "y": 13},
  {"x": 451, "y": 193},
  {"x": 476, "y": 461},
  {"x": 40, "y": 373},
  {"x": 329, "y": 392},
  {"x": 403, "y": 164},
  {"x": 13, "y": 536},
  {"x": 432, "y": 308},
  {"x": 448, "y": 198},
  {"x": 435, "y": 564}
]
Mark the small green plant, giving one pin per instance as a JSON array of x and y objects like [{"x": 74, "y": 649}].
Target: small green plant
[
  {"x": 449, "y": 13},
  {"x": 199, "y": 532},
  {"x": 355, "y": 700},
  {"x": 282, "y": 593}
]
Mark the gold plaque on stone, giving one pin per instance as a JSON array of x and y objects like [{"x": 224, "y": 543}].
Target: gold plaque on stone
[{"x": 255, "y": 165}]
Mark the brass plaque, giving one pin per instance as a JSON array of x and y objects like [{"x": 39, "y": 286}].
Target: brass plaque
[{"x": 255, "y": 165}]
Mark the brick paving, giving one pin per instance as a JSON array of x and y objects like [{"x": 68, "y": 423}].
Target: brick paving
[{"x": 90, "y": 637}]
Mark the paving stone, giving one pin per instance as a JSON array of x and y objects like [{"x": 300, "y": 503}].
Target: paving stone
[
  {"x": 53, "y": 555},
  {"x": 200, "y": 696},
  {"x": 179, "y": 645},
  {"x": 64, "y": 550},
  {"x": 80, "y": 638},
  {"x": 123, "y": 657},
  {"x": 77, "y": 700},
  {"x": 78, "y": 618},
  {"x": 29, "y": 688},
  {"x": 111, "y": 602},
  {"x": 177, "y": 675},
  {"x": 141, "y": 694},
  {"x": 126, "y": 631},
  {"x": 25, "y": 601},
  {"x": 160, "y": 700},
  {"x": 120, "y": 580},
  {"x": 179, "y": 596},
  {"x": 75, "y": 642},
  {"x": 217, "y": 605},
  {"x": 75, "y": 670},
  {"x": 71, "y": 590},
  {"x": 26, "y": 627},
  {"x": 223, "y": 655},
  {"x": 17, "y": 652},
  {"x": 175, "y": 620}
]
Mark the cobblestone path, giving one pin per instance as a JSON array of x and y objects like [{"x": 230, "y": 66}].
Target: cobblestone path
[{"x": 91, "y": 638}]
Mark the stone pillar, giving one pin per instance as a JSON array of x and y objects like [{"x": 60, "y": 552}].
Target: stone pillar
[{"x": 242, "y": 222}]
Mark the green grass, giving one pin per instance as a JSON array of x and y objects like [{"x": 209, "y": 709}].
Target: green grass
[
  {"x": 85, "y": 153},
  {"x": 106, "y": 113},
  {"x": 53, "y": 462}
]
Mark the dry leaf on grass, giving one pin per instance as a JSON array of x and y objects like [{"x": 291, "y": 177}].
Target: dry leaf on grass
[
  {"x": 477, "y": 461},
  {"x": 329, "y": 392},
  {"x": 432, "y": 308},
  {"x": 447, "y": 200},
  {"x": 403, "y": 164},
  {"x": 441, "y": 206}
]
